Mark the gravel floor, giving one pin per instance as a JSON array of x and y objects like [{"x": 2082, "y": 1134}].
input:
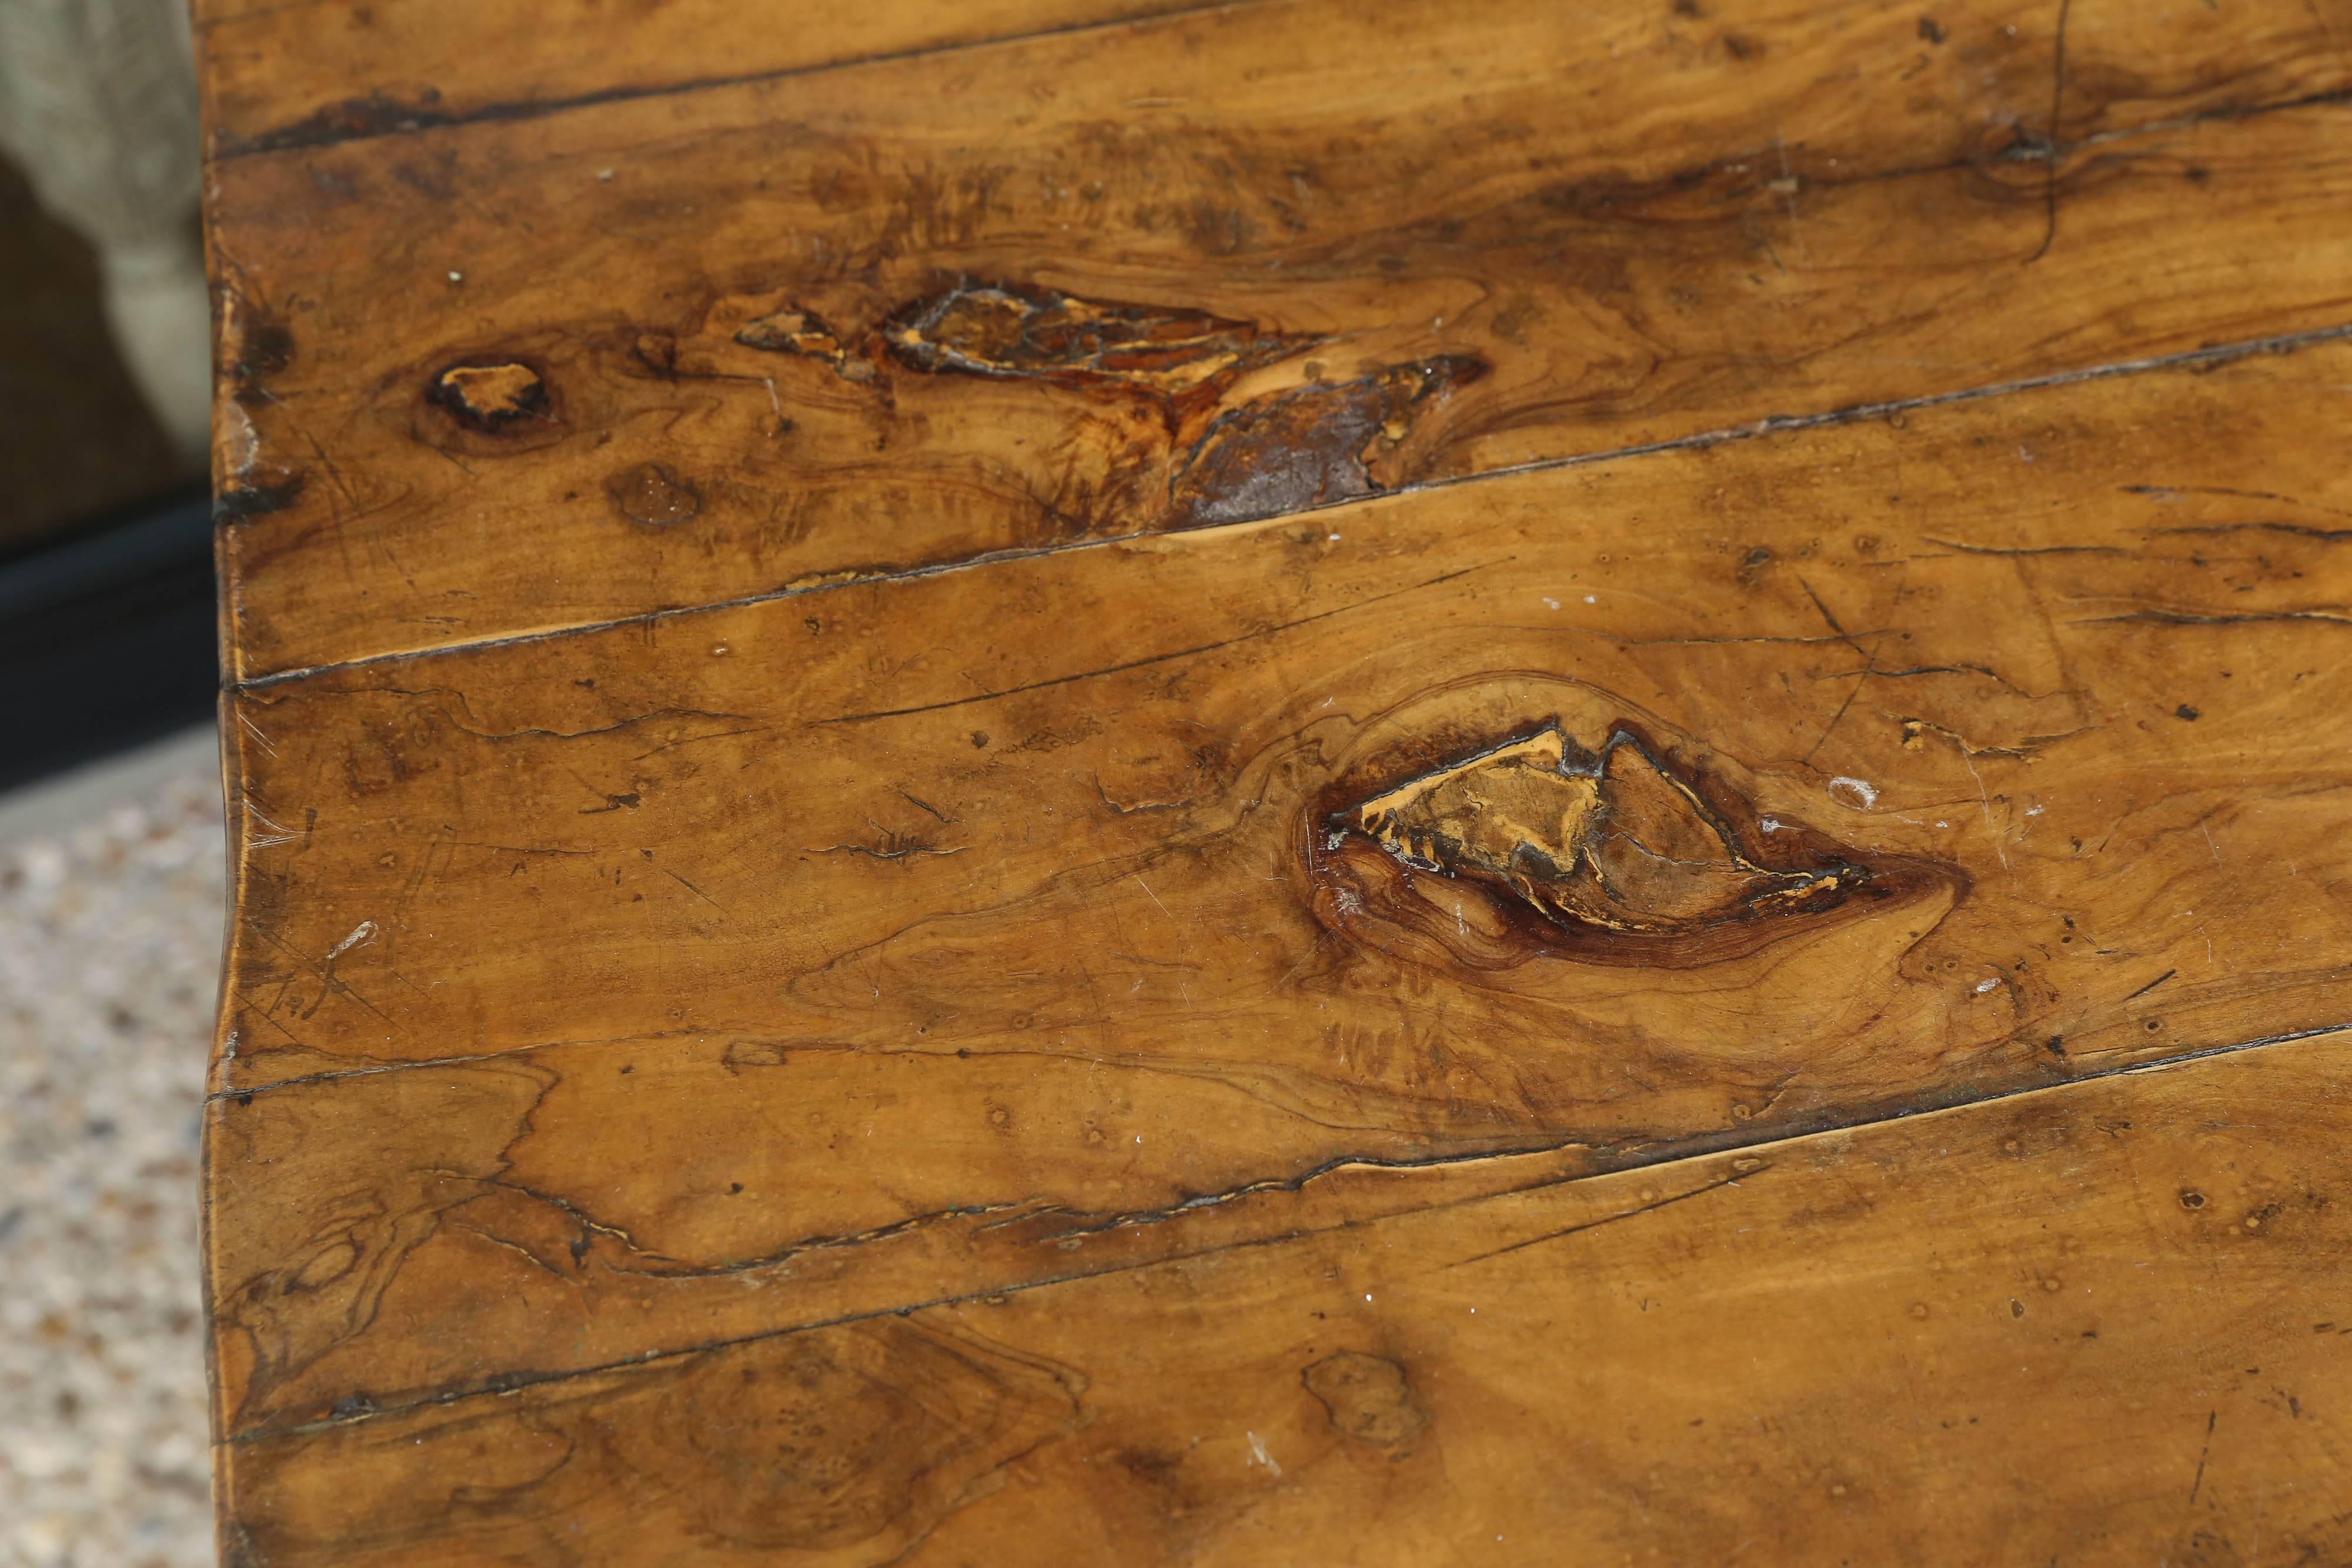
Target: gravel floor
[{"x": 110, "y": 952}]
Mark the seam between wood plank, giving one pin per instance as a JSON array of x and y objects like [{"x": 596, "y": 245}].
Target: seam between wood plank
[
  {"x": 515, "y": 1382},
  {"x": 1770, "y": 425}
]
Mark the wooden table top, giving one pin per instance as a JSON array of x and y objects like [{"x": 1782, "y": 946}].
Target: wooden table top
[{"x": 1070, "y": 781}]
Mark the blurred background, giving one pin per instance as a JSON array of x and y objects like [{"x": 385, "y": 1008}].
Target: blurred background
[{"x": 111, "y": 854}]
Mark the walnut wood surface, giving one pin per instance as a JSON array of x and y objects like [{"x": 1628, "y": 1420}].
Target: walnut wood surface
[{"x": 935, "y": 866}]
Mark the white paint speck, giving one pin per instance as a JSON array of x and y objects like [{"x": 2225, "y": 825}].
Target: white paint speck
[
  {"x": 603, "y": 173},
  {"x": 1592, "y": 599},
  {"x": 2033, "y": 811},
  {"x": 1769, "y": 824},
  {"x": 1549, "y": 603},
  {"x": 363, "y": 932},
  {"x": 457, "y": 278},
  {"x": 1334, "y": 538},
  {"x": 1259, "y": 1454},
  {"x": 1984, "y": 986},
  {"x": 1852, "y": 792}
]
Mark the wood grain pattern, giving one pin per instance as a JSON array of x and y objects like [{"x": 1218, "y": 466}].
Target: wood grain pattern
[
  {"x": 1425, "y": 257},
  {"x": 2101, "y": 1323},
  {"x": 385, "y": 71},
  {"x": 1269, "y": 782},
  {"x": 1047, "y": 908}
]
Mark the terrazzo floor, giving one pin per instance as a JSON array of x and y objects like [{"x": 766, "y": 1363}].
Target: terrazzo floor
[{"x": 110, "y": 917}]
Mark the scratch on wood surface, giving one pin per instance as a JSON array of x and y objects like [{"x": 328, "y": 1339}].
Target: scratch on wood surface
[
  {"x": 2053, "y": 148},
  {"x": 1151, "y": 660},
  {"x": 1650, "y": 1208}
]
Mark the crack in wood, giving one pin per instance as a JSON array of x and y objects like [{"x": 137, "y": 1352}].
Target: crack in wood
[
  {"x": 366, "y": 1408},
  {"x": 1771, "y": 426}
]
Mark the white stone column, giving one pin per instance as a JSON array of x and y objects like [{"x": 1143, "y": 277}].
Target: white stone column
[{"x": 98, "y": 104}]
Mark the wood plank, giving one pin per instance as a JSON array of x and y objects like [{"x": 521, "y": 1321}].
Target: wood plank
[
  {"x": 361, "y": 71},
  {"x": 1203, "y": 268},
  {"x": 2096, "y": 1324},
  {"x": 897, "y": 939}
]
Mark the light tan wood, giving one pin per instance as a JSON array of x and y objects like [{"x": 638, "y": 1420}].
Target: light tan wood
[
  {"x": 976, "y": 756},
  {"x": 1423, "y": 251}
]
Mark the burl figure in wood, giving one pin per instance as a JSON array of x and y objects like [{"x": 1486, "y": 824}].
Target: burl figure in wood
[{"x": 1109, "y": 781}]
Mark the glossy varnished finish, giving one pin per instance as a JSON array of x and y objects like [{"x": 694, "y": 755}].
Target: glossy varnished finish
[
  {"x": 1272, "y": 783},
  {"x": 1444, "y": 250},
  {"x": 2102, "y": 1325}
]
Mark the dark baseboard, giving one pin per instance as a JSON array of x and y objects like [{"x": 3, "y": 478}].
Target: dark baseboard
[{"x": 108, "y": 637}]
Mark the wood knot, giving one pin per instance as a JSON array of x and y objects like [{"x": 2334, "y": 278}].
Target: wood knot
[
  {"x": 490, "y": 397},
  {"x": 1367, "y": 1398},
  {"x": 1318, "y": 444},
  {"x": 1003, "y": 329},
  {"x": 1588, "y": 835},
  {"x": 795, "y": 332},
  {"x": 1606, "y": 838},
  {"x": 650, "y": 493}
]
